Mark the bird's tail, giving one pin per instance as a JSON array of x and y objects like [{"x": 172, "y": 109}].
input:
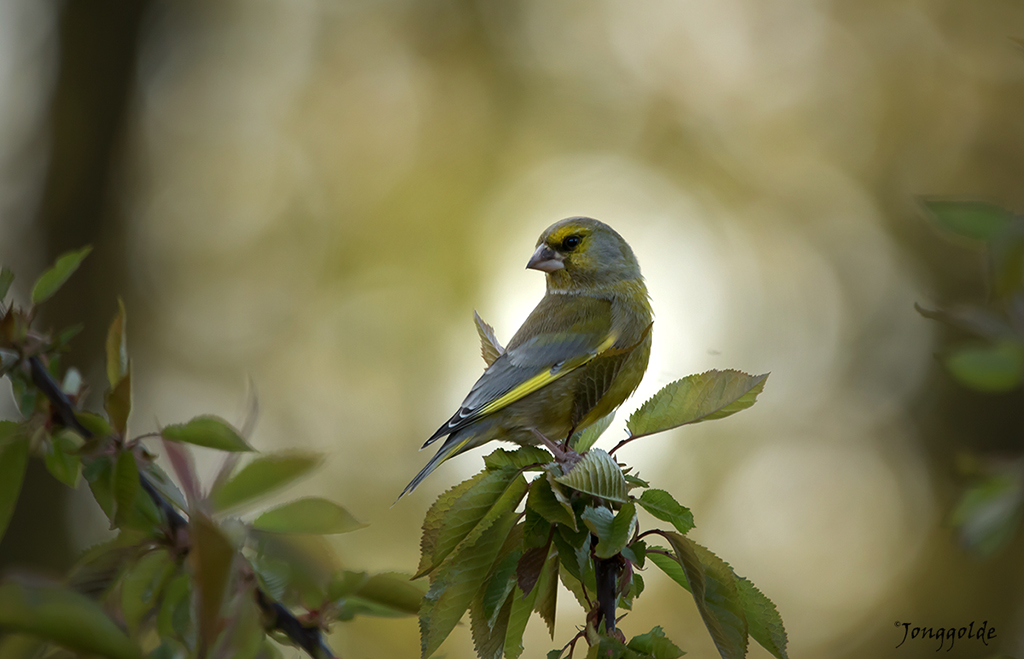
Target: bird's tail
[{"x": 449, "y": 449}]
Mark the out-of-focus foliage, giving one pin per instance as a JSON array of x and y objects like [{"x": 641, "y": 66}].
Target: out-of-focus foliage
[
  {"x": 580, "y": 527},
  {"x": 180, "y": 578},
  {"x": 317, "y": 195},
  {"x": 992, "y": 361}
]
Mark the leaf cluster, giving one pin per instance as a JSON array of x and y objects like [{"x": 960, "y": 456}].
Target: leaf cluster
[
  {"x": 498, "y": 544},
  {"x": 191, "y": 571},
  {"x": 988, "y": 358}
]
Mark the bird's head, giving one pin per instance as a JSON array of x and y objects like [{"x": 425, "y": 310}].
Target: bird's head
[{"x": 582, "y": 253}]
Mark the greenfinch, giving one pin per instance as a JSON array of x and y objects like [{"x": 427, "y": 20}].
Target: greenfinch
[{"x": 581, "y": 352}]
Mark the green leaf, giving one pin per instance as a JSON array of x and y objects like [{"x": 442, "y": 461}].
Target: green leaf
[
  {"x": 212, "y": 555},
  {"x": 311, "y": 564},
  {"x": 695, "y": 398},
  {"x": 261, "y": 477},
  {"x": 475, "y": 511},
  {"x": 989, "y": 512},
  {"x": 117, "y": 347},
  {"x": 522, "y": 607},
  {"x": 574, "y": 586},
  {"x": 547, "y": 595},
  {"x": 309, "y": 515},
  {"x": 25, "y": 396},
  {"x": 561, "y": 495},
  {"x": 353, "y": 606},
  {"x": 633, "y": 482},
  {"x": 434, "y": 520},
  {"x": 99, "y": 474},
  {"x": 489, "y": 632},
  {"x": 526, "y": 456},
  {"x": 13, "y": 462},
  {"x": 490, "y": 348},
  {"x": 536, "y": 529},
  {"x": 209, "y": 431},
  {"x": 395, "y": 591},
  {"x": 273, "y": 576},
  {"x": 988, "y": 367},
  {"x": 574, "y": 550},
  {"x": 125, "y": 486},
  {"x": 61, "y": 460},
  {"x": 94, "y": 423},
  {"x": 655, "y": 645},
  {"x": 763, "y": 618},
  {"x": 542, "y": 500},
  {"x": 386, "y": 595},
  {"x": 174, "y": 619},
  {"x": 583, "y": 440},
  {"x": 636, "y": 587},
  {"x": 244, "y": 634},
  {"x": 613, "y": 531},
  {"x": 977, "y": 220},
  {"x": 6, "y": 279},
  {"x": 636, "y": 553},
  {"x": 661, "y": 504},
  {"x": 51, "y": 280},
  {"x": 118, "y": 403},
  {"x": 142, "y": 585},
  {"x": 529, "y": 566},
  {"x": 669, "y": 565},
  {"x": 100, "y": 567},
  {"x": 597, "y": 474},
  {"x": 63, "y": 617},
  {"x": 500, "y": 582},
  {"x": 345, "y": 583},
  {"x": 606, "y": 647},
  {"x": 713, "y": 585},
  {"x": 453, "y": 587}
]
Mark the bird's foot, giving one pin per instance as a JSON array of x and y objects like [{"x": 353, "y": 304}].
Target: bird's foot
[{"x": 564, "y": 456}]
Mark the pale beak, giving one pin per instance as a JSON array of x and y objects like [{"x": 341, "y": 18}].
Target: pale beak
[{"x": 546, "y": 259}]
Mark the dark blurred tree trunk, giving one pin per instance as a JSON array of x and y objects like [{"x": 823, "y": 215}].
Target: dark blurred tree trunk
[{"x": 81, "y": 204}]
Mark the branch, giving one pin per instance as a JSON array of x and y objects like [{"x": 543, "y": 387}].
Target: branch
[
  {"x": 309, "y": 639},
  {"x": 623, "y": 443}
]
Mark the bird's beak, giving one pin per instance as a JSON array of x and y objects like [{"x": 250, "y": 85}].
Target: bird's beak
[{"x": 546, "y": 259}]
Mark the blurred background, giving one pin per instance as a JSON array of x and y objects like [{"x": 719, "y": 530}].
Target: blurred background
[{"x": 316, "y": 195}]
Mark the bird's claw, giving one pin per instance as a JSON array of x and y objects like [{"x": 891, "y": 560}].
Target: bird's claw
[{"x": 564, "y": 455}]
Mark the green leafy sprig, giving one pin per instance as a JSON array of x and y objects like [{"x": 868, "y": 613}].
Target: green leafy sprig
[
  {"x": 988, "y": 359},
  {"x": 498, "y": 544},
  {"x": 180, "y": 569}
]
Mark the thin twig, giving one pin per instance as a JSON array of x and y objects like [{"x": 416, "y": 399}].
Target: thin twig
[
  {"x": 624, "y": 442},
  {"x": 571, "y": 645},
  {"x": 309, "y": 639}
]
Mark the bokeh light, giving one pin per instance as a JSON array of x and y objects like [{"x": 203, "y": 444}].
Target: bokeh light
[{"x": 315, "y": 196}]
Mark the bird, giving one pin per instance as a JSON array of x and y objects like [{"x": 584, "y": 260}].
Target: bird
[{"x": 578, "y": 355}]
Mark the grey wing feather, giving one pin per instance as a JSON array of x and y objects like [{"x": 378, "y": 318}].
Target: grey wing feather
[{"x": 514, "y": 367}]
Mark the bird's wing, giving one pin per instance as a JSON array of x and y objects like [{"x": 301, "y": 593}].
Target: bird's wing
[{"x": 565, "y": 338}]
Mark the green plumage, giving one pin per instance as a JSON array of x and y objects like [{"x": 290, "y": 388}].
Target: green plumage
[{"x": 581, "y": 352}]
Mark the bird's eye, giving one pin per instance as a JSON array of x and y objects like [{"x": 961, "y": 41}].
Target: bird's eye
[{"x": 571, "y": 243}]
